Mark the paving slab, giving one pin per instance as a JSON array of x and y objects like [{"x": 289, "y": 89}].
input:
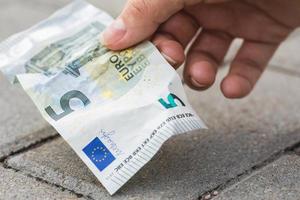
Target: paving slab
[
  {"x": 15, "y": 185},
  {"x": 20, "y": 123},
  {"x": 286, "y": 58},
  {"x": 18, "y": 15},
  {"x": 57, "y": 163},
  {"x": 297, "y": 150},
  {"x": 279, "y": 180},
  {"x": 242, "y": 134}
]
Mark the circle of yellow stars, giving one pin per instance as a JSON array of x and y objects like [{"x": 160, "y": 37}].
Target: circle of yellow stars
[{"x": 101, "y": 149}]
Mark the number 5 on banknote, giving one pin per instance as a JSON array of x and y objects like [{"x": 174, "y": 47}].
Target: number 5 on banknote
[{"x": 65, "y": 104}]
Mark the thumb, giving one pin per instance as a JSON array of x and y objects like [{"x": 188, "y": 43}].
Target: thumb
[{"x": 138, "y": 21}]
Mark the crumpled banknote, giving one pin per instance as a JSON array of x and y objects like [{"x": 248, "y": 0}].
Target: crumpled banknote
[{"x": 115, "y": 109}]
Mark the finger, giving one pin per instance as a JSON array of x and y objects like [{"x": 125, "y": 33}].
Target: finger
[
  {"x": 174, "y": 35},
  {"x": 215, "y": 1},
  {"x": 138, "y": 21},
  {"x": 181, "y": 27},
  {"x": 170, "y": 48},
  {"x": 204, "y": 57},
  {"x": 240, "y": 20},
  {"x": 246, "y": 68}
]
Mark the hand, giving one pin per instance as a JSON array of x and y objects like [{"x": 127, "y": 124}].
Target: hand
[{"x": 171, "y": 24}]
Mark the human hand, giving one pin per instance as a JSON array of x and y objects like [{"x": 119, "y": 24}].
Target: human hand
[{"x": 171, "y": 24}]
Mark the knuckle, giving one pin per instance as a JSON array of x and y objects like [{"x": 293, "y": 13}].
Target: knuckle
[
  {"x": 251, "y": 64},
  {"x": 139, "y": 8},
  {"x": 157, "y": 11},
  {"x": 280, "y": 33}
]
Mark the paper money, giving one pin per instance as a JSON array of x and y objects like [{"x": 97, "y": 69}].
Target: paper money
[
  {"x": 54, "y": 58},
  {"x": 115, "y": 109}
]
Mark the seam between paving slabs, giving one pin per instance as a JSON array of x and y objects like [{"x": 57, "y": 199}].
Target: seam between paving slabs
[
  {"x": 45, "y": 182},
  {"x": 285, "y": 71},
  {"x": 275, "y": 68},
  {"x": 291, "y": 150},
  {"x": 3, "y": 163},
  {"x": 31, "y": 146}
]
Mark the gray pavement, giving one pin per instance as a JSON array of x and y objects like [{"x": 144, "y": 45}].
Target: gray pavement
[
  {"x": 17, "y": 15},
  {"x": 279, "y": 180},
  {"x": 14, "y": 185},
  {"x": 21, "y": 124},
  {"x": 247, "y": 153},
  {"x": 286, "y": 58},
  {"x": 239, "y": 139},
  {"x": 56, "y": 163}
]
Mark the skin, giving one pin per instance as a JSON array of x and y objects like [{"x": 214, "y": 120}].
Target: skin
[{"x": 171, "y": 24}]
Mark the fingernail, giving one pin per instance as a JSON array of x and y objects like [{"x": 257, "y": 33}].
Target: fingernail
[
  {"x": 169, "y": 59},
  {"x": 197, "y": 84},
  {"x": 113, "y": 32}
]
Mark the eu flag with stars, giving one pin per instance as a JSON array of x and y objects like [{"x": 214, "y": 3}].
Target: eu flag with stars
[{"x": 97, "y": 152}]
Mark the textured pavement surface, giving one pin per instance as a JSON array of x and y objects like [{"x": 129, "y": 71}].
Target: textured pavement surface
[
  {"x": 278, "y": 180},
  {"x": 21, "y": 124},
  {"x": 251, "y": 150},
  {"x": 239, "y": 138},
  {"x": 14, "y": 185},
  {"x": 286, "y": 58}
]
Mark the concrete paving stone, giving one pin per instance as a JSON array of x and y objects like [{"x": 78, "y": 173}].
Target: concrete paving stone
[
  {"x": 57, "y": 163},
  {"x": 286, "y": 57},
  {"x": 20, "y": 123},
  {"x": 18, "y": 15},
  {"x": 297, "y": 150},
  {"x": 279, "y": 180},
  {"x": 242, "y": 134},
  {"x": 15, "y": 185}
]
